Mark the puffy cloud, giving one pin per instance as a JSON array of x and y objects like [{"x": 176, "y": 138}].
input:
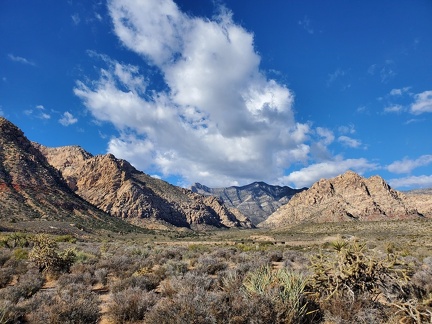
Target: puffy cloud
[
  {"x": 423, "y": 181},
  {"x": 423, "y": 103},
  {"x": 310, "y": 174},
  {"x": 327, "y": 136},
  {"x": 400, "y": 91},
  {"x": 218, "y": 118},
  {"x": 67, "y": 119},
  {"x": 348, "y": 141},
  {"x": 407, "y": 165},
  {"x": 393, "y": 109},
  {"x": 348, "y": 129}
]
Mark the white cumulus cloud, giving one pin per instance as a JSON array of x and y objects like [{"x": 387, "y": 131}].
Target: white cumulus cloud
[
  {"x": 328, "y": 169},
  {"x": 422, "y": 103},
  {"x": 67, "y": 119},
  {"x": 218, "y": 119},
  {"x": 393, "y": 109},
  {"x": 423, "y": 181},
  {"x": 407, "y": 165},
  {"x": 348, "y": 141}
]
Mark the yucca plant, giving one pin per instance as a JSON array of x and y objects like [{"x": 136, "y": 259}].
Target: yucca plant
[{"x": 285, "y": 288}]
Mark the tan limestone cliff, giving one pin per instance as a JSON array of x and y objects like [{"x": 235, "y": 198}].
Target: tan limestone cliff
[
  {"x": 347, "y": 197},
  {"x": 116, "y": 187}
]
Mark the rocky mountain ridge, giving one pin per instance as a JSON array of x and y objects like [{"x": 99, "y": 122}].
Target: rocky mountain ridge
[
  {"x": 32, "y": 190},
  {"x": 349, "y": 197},
  {"x": 256, "y": 200},
  {"x": 116, "y": 187}
]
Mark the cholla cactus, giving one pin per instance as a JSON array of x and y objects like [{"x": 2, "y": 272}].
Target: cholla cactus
[
  {"x": 46, "y": 256},
  {"x": 351, "y": 272}
]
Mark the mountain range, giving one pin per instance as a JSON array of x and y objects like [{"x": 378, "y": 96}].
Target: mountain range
[
  {"x": 116, "y": 187},
  {"x": 69, "y": 186},
  {"x": 257, "y": 200}
]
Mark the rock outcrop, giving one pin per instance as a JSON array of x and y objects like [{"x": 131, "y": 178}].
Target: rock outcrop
[
  {"x": 256, "y": 200},
  {"x": 422, "y": 200},
  {"x": 32, "y": 190},
  {"x": 116, "y": 187},
  {"x": 347, "y": 197}
]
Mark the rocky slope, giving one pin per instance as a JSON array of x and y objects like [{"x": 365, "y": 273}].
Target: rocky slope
[
  {"x": 32, "y": 190},
  {"x": 422, "y": 199},
  {"x": 116, "y": 187},
  {"x": 346, "y": 197},
  {"x": 256, "y": 201}
]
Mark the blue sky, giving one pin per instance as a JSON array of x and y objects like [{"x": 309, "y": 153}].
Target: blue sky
[{"x": 227, "y": 92}]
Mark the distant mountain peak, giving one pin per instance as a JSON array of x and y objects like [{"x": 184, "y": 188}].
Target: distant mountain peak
[{"x": 256, "y": 200}]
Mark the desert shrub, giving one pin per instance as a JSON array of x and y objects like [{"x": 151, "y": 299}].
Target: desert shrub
[
  {"x": 14, "y": 240},
  {"x": 364, "y": 309},
  {"x": 20, "y": 254},
  {"x": 146, "y": 282},
  {"x": 348, "y": 281},
  {"x": 5, "y": 276},
  {"x": 47, "y": 257},
  {"x": 68, "y": 279},
  {"x": 121, "y": 266},
  {"x": 183, "y": 308},
  {"x": 175, "y": 268},
  {"x": 210, "y": 265},
  {"x": 82, "y": 257},
  {"x": 284, "y": 289},
  {"x": 19, "y": 266},
  {"x": 131, "y": 304},
  {"x": 101, "y": 276},
  {"x": 295, "y": 259},
  {"x": 189, "y": 283},
  {"x": 422, "y": 278},
  {"x": 27, "y": 285},
  {"x": 10, "y": 312},
  {"x": 4, "y": 256},
  {"x": 65, "y": 238},
  {"x": 350, "y": 272},
  {"x": 74, "y": 304},
  {"x": 414, "y": 304},
  {"x": 275, "y": 256}
]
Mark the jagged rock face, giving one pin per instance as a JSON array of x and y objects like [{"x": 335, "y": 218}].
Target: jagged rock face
[
  {"x": 344, "y": 198},
  {"x": 257, "y": 200},
  {"x": 31, "y": 189},
  {"x": 118, "y": 188},
  {"x": 422, "y": 199}
]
